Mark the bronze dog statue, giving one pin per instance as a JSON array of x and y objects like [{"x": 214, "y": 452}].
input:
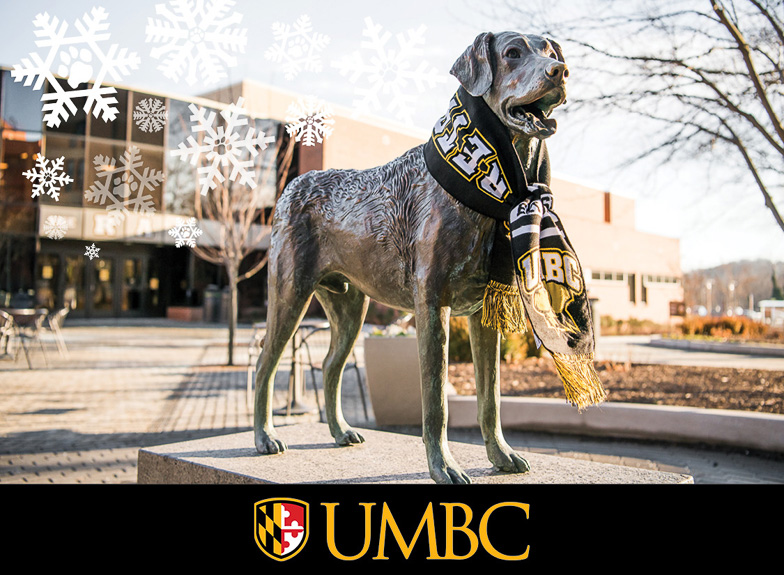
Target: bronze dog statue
[{"x": 392, "y": 233}]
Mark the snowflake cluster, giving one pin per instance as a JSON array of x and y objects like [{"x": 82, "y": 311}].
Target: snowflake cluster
[
  {"x": 150, "y": 115},
  {"x": 185, "y": 232},
  {"x": 222, "y": 146},
  {"x": 48, "y": 178},
  {"x": 123, "y": 189},
  {"x": 393, "y": 74},
  {"x": 297, "y": 47},
  {"x": 310, "y": 120},
  {"x": 196, "y": 36},
  {"x": 79, "y": 57}
]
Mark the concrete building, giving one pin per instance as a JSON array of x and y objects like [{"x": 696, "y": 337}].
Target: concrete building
[
  {"x": 141, "y": 273},
  {"x": 631, "y": 274}
]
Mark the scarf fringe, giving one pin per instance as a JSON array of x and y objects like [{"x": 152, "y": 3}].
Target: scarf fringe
[
  {"x": 581, "y": 382},
  {"x": 502, "y": 308}
]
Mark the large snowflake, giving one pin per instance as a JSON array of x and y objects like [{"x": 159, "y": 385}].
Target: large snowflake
[
  {"x": 48, "y": 178},
  {"x": 185, "y": 232},
  {"x": 79, "y": 57},
  {"x": 55, "y": 227},
  {"x": 197, "y": 37},
  {"x": 150, "y": 115},
  {"x": 297, "y": 47},
  {"x": 393, "y": 75},
  {"x": 222, "y": 146},
  {"x": 310, "y": 120},
  {"x": 123, "y": 189}
]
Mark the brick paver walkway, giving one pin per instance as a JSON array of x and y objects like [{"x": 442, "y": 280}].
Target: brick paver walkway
[{"x": 83, "y": 418}]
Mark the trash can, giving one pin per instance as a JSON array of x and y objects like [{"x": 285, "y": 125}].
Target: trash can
[{"x": 211, "y": 305}]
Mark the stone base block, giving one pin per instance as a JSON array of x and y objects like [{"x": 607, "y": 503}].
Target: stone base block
[{"x": 385, "y": 457}]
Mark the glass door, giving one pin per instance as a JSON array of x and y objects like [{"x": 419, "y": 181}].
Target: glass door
[
  {"x": 102, "y": 297},
  {"x": 133, "y": 287}
]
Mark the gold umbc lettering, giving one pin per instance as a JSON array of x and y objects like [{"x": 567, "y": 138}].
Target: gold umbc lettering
[{"x": 427, "y": 521}]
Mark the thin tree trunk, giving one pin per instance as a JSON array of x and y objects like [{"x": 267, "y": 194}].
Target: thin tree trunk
[{"x": 232, "y": 272}]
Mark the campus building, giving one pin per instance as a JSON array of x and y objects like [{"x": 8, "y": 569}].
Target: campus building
[{"x": 140, "y": 272}]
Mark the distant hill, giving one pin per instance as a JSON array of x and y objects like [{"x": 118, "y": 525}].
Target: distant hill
[{"x": 752, "y": 281}]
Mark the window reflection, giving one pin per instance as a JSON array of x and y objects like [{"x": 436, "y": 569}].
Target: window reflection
[
  {"x": 72, "y": 150},
  {"x": 115, "y": 129},
  {"x": 152, "y": 109},
  {"x": 21, "y": 107}
]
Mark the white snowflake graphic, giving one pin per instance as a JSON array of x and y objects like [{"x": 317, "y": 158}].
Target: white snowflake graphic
[
  {"x": 55, "y": 227},
  {"x": 196, "y": 36},
  {"x": 48, "y": 178},
  {"x": 222, "y": 146},
  {"x": 91, "y": 251},
  {"x": 310, "y": 120},
  {"x": 297, "y": 47},
  {"x": 80, "y": 57},
  {"x": 124, "y": 188},
  {"x": 185, "y": 233},
  {"x": 393, "y": 76},
  {"x": 150, "y": 115}
]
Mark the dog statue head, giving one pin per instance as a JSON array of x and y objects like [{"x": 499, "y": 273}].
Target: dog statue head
[{"x": 522, "y": 78}]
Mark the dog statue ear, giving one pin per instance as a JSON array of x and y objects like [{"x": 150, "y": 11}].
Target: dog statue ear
[
  {"x": 558, "y": 50},
  {"x": 474, "y": 69}
]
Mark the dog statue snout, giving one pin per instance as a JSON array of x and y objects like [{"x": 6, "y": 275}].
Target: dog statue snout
[{"x": 557, "y": 72}]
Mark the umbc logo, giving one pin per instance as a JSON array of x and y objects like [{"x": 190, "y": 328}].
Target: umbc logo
[{"x": 281, "y": 527}]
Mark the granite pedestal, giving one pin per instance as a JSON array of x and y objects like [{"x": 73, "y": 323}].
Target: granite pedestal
[{"x": 385, "y": 457}]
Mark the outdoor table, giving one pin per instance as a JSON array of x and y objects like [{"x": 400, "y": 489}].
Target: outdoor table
[{"x": 27, "y": 326}]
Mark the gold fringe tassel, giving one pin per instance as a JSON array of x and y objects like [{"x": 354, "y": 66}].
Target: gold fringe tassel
[
  {"x": 502, "y": 308},
  {"x": 581, "y": 382}
]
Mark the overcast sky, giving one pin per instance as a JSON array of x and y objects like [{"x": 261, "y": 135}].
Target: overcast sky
[{"x": 714, "y": 226}]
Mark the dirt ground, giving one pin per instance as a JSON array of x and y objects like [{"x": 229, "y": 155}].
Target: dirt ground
[{"x": 719, "y": 388}]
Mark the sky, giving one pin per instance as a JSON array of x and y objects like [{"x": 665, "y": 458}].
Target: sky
[{"x": 716, "y": 222}]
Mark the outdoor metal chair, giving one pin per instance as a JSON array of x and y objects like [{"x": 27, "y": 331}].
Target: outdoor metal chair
[
  {"x": 27, "y": 327},
  {"x": 55, "y": 321},
  {"x": 6, "y": 332},
  {"x": 316, "y": 344}
]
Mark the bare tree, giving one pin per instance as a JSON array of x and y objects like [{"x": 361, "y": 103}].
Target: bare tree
[
  {"x": 240, "y": 217},
  {"x": 707, "y": 73}
]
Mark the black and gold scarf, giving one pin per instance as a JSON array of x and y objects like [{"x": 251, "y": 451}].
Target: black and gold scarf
[{"x": 534, "y": 270}]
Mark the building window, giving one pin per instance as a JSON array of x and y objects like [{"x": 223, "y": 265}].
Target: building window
[{"x": 632, "y": 288}]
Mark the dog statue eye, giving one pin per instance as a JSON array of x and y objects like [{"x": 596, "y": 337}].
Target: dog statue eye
[{"x": 512, "y": 53}]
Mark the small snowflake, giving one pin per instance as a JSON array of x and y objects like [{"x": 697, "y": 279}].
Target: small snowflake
[
  {"x": 311, "y": 120},
  {"x": 123, "y": 189},
  {"x": 150, "y": 115},
  {"x": 185, "y": 233},
  {"x": 196, "y": 36},
  {"x": 297, "y": 47},
  {"x": 55, "y": 227},
  {"x": 48, "y": 178},
  {"x": 91, "y": 251},
  {"x": 396, "y": 74},
  {"x": 222, "y": 146},
  {"x": 80, "y": 57}
]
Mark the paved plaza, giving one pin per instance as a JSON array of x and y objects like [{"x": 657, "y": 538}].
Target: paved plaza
[{"x": 126, "y": 385}]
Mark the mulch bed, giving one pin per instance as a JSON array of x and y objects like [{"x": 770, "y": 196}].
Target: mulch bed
[{"x": 706, "y": 387}]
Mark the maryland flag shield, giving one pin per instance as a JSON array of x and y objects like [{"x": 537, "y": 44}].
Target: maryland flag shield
[{"x": 281, "y": 527}]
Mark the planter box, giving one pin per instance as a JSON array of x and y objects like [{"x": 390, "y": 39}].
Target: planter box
[
  {"x": 393, "y": 378},
  {"x": 185, "y": 313}
]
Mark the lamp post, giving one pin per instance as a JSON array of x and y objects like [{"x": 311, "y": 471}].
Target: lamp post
[
  {"x": 709, "y": 287},
  {"x": 732, "y": 297}
]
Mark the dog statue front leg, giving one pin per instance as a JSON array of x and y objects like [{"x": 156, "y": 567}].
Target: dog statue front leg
[
  {"x": 486, "y": 351},
  {"x": 432, "y": 325}
]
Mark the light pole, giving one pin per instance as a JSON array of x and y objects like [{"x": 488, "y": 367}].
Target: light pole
[{"x": 709, "y": 286}]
